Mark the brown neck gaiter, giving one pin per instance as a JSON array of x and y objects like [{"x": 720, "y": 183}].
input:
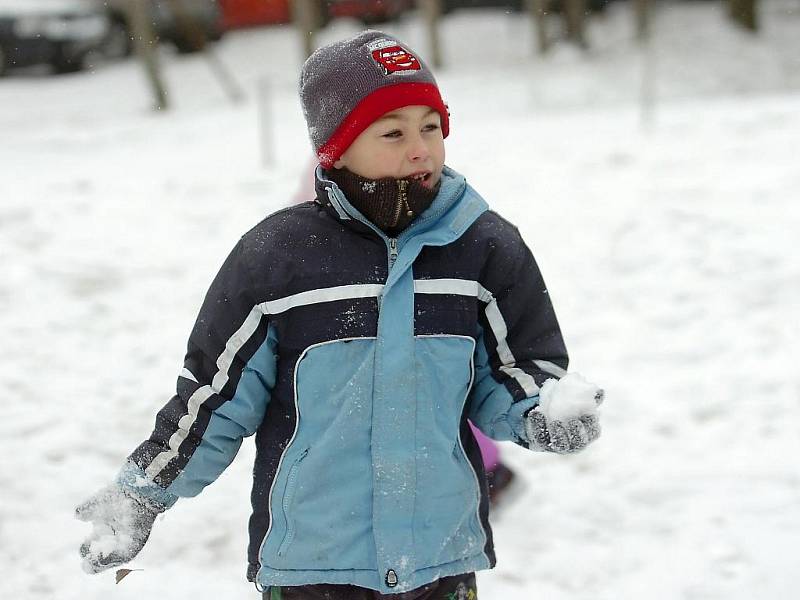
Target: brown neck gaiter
[{"x": 390, "y": 204}]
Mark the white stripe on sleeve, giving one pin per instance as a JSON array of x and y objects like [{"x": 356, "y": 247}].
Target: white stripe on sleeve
[
  {"x": 232, "y": 347},
  {"x": 552, "y": 368},
  {"x": 187, "y": 374},
  {"x": 466, "y": 287},
  {"x": 331, "y": 294},
  {"x": 203, "y": 393}
]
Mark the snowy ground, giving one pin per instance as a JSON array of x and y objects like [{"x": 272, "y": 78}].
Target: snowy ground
[{"x": 670, "y": 251}]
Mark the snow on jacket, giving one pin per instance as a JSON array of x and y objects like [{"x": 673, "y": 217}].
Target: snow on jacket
[{"x": 356, "y": 360}]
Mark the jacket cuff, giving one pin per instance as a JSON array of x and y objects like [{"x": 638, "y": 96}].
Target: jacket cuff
[
  {"x": 133, "y": 479},
  {"x": 516, "y": 418}
]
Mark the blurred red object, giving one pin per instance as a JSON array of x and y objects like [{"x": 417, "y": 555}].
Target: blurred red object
[
  {"x": 369, "y": 11},
  {"x": 247, "y": 13}
]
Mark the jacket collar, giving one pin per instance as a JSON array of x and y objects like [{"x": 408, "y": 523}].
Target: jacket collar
[{"x": 455, "y": 208}]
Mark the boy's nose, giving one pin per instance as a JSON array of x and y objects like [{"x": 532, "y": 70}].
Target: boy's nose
[{"x": 418, "y": 149}]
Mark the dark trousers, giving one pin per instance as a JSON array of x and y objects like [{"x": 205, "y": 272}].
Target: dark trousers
[{"x": 458, "y": 587}]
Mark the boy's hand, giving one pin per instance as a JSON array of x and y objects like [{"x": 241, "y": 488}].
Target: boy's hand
[
  {"x": 122, "y": 522},
  {"x": 562, "y": 437}
]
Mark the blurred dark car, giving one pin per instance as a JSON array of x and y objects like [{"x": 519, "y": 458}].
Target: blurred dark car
[
  {"x": 187, "y": 24},
  {"x": 56, "y": 32}
]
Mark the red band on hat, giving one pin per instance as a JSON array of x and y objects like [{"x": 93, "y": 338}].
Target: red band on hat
[{"x": 374, "y": 106}]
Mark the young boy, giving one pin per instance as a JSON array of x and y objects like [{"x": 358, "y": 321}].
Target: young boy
[{"x": 355, "y": 335}]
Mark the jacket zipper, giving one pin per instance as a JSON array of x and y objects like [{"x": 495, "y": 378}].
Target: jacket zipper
[
  {"x": 392, "y": 252},
  {"x": 287, "y": 501},
  {"x": 402, "y": 200},
  {"x": 392, "y": 259}
]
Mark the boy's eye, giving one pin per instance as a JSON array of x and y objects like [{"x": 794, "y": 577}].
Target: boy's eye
[
  {"x": 393, "y": 134},
  {"x": 431, "y": 127}
]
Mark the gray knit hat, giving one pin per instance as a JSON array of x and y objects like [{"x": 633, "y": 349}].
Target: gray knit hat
[{"x": 347, "y": 85}]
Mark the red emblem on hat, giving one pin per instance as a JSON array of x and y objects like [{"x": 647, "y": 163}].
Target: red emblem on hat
[{"x": 395, "y": 58}]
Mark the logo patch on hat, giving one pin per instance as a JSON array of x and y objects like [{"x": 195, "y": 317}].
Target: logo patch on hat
[{"x": 392, "y": 57}]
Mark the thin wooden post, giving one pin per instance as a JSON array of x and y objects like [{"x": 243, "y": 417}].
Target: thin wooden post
[
  {"x": 266, "y": 122},
  {"x": 307, "y": 17},
  {"x": 745, "y": 13},
  {"x": 642, "y": 16},
  {"x": 197, "y": 40},
  {"x": 147, "y": 49},
  {"x": 432, "y": 10},
  {"x": 644, "y": 37},
  {"x": 538, "y": 13},
  {"x": 575, "y": 21}
]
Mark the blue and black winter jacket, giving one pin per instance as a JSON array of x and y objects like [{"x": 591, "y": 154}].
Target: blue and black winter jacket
[{"x": 356, "y": 360}]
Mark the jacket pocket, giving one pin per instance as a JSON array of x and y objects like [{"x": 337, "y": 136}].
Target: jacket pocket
[
  {"x": 322, "y": 503},
  {"x": 288, "y": 496},
  {"x": 446, "y": 519}
]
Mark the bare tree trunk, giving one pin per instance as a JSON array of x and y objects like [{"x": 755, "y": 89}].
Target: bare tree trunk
[
  {"x": 649, "y": 64},
  {"x": 196, "y": 38},
  {"x": 189, "y": 33},
  {"x": 146, "y": 46},
  {"x": 642, "y": 10},
  {"x": 538, "y": 12},
  {"x": 744, "y": 12},
  {"x": 307, "y": 17},
  {"x": 575, "y": 21},
  {"x": 433, "y": 10}
]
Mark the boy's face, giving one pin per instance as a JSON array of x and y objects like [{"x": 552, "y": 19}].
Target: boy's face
[{"x": 405, "y": 143}]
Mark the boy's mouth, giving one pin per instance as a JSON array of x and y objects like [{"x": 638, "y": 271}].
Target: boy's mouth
[{"x": 423, "y": 177}]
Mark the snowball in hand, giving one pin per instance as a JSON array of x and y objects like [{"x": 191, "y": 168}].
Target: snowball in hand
[
  {"x": 570, "y": 397},
  {"x": 121, "y": 525},
  {"x": 104, "y": 546}
]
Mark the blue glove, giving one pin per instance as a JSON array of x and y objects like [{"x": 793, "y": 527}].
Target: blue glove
[{"x": 122, "y": 523}]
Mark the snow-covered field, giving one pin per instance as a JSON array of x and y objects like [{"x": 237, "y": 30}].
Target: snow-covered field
[{"x": 669, "y": 246}]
